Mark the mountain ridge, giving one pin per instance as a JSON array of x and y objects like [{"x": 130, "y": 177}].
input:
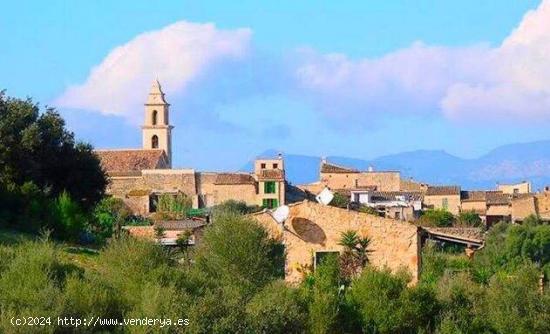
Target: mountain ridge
[{"x": 504, "y": 164}]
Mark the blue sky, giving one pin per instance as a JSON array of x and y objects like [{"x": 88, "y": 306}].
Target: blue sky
[{"x": 356, "y": 78}]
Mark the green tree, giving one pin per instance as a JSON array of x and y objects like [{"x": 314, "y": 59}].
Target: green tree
[
  {"x": 356, "y": 253},
  {"x": 437, "y": 217},
  {"x": 469, "y": 219},
  {"x": 109, "y": 216},
  {"x": 36, "y": 147}
]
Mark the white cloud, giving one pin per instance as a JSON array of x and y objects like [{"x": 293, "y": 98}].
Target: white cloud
[
  {"x": 176, "y": 54},
  {"x": 510, "y": 82}
]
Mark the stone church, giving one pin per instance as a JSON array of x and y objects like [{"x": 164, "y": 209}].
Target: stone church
[{"x": 139, "y": 176}]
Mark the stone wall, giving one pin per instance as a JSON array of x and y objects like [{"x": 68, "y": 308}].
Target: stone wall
[
  {"x": 312, "y": 227},
  {"x": 479, "y": 207},
  {"x": 522, "y": 208}
]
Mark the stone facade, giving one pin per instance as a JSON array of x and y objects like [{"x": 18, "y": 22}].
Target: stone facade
[
  {"x": 312, "y": 227},
  {"x": 139, "y": 176},
  {"x": 517, "y": 188}
]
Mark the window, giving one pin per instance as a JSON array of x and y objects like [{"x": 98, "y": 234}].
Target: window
[
  {"x": 262, "y": 166},
  {"x": 153, "y": 200},
  {"x": 270, "y": 203},
  {"x": 269, "y": 187},
  {"x": 154, "y": 117},
  {"x": 516, "y": 191},
  {"x": 445, "y": 203},
  {"x": 322, "y": 256},
  {"x": 397, "y": 215},
  {"x": 275, "y": 166},
  {"x": 155, "y": 142}
]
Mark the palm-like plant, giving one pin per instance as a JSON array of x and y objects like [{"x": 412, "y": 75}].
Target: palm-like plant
[{"x": 356, "y": 252}]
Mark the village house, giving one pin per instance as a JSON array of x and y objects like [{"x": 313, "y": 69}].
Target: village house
[
  {"x": 313, "y": 230},
  {"x": 531, "y": 204},
  {"x": 140, "y": 176},
  {"x": 523, "y": 187},
  {"x": 443, "y": 197}
]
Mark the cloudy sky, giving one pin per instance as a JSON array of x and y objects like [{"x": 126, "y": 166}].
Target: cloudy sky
[{"x": 351, "y": 78}]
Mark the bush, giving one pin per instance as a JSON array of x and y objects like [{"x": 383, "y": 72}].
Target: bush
[
  {"x": 236, "y": 250},
  {"x": 469, "y": 219},
  {"x": 109, "y": 216},
  {"x": 437, "y": 218},
  {"x": 70, "y": 220},
  {"x": 340, "y": 201},
  {"x": 236, "y": 207},
  {"x": 276, "y": 309}
]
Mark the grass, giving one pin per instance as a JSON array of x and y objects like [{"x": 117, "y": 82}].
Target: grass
[{"x": 76, "y": 255}]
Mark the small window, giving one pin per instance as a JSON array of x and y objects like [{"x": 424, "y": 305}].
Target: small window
[
  {"x": 322, "y": 256},
  {"x": 262, "y": 166},
  {"x": 153, "y": 201},
  {"x": 445, "y": 203},
  {"x": 269, "y": 187},
  {"x": 270, "y": 203},
  {"x": 397, "y": 215},
  {"x": 155, "y": 142},
  {"x": 516, "y": 191},
  {"x": 154, "y": 117},
  {"x": 275, "y": 166}
]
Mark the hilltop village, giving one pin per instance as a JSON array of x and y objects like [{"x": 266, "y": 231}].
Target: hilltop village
[{"x": 381, "y": 204}]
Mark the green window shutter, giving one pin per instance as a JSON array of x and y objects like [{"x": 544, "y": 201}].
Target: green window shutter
[
  {"x": 275, "y": 203},
  {"x": 269, "y": 187}
]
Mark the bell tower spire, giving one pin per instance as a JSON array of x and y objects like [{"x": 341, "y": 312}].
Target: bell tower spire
[{"x": 156, "y": 129}]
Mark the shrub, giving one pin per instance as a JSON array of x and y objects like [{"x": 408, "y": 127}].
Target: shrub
[
  {"x": 340, "y": 201},
  {"x": 469, "y": 219},
  {"x": 276, "y": 309},
  {"x": 437, "y": 217},
  {"x": 235, "y": 249},
  {"x": 109, "y": 216}
]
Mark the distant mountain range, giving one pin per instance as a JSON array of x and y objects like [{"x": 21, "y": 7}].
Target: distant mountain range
[{"x": 505, "y": 164}]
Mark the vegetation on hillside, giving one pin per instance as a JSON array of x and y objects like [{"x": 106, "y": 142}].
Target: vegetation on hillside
[{"x": 234, "y": 284}]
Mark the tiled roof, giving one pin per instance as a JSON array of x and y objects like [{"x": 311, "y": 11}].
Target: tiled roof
[
  {"x": 332, "y": 168},
  {"x": 472, "y": 196},
  {"x": 271, "y": 174},
  {"x": 497, "y": 198},
  {"x": 124, "y": 161},
  {"x": 442, "y": 190},
  {"x": 234, "y": 178},
  {"x": 392, "y": 195}
]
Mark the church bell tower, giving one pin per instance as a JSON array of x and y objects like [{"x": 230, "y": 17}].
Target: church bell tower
[{"x": 157, "y": 131}]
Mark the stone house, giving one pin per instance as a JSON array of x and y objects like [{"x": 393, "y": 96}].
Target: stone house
[
  {"x": 531, "y": 204},
  {"x": 140, "y": 176},
  {"x": 443, "y": 197},
  {"x": 523, "y": 187},
  {"x": 499, "y": 207},
  {"x": 338, "y": 177},
  {"x": 312, "y": 230}
]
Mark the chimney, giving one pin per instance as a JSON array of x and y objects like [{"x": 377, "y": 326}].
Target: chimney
[
  {"x": 280, "y": 156},
  {"x": 323, "y": 160}
]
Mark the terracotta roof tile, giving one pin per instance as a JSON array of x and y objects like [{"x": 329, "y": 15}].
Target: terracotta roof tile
[
  {"x": 498, "y": 198},
  {"x": 473, "y": 196},
  {"x": 332, "y": 168},
  {"x": 124, "y": 161},
  {"x": 271, "y": 174},
  {"x": 442, "y": 190},
  {"x": 234, "y": 178}
]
